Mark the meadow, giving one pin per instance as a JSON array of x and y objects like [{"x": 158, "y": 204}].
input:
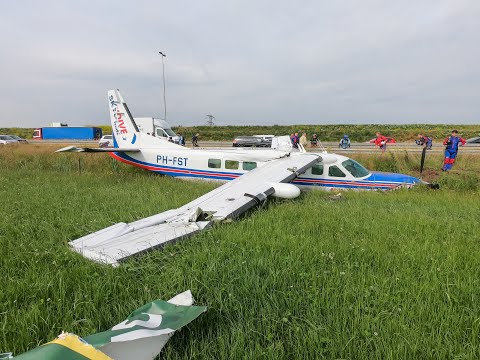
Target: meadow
[{"x": 377, "y": 275}]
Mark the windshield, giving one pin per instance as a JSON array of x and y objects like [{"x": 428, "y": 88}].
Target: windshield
[
  {"x": 355, "y": 168},
  {"x": 169, "y": 132}
]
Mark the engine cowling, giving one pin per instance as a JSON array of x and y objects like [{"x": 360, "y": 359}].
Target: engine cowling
[{"x": 285, "y": 191}]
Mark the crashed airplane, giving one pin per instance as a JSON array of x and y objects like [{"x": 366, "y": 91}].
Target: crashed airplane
[{"x": 251, "y": 177}]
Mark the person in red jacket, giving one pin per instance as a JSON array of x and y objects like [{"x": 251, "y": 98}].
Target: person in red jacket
[
  {"x": 452, "y": 143},
  {"x": 381, "y": 142}
]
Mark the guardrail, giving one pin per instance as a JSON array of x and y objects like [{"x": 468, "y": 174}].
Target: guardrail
[{"x": 329, "y": 145}]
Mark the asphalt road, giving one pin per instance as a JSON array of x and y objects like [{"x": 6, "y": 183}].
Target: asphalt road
[{"x": 329, "y": 146}]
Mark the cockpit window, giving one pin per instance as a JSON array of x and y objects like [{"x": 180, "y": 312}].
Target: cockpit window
[
  {"x": 355, "y": 168},
  {"x": 335, "y": 171}
]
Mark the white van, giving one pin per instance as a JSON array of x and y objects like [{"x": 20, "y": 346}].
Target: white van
[{"x": 156, "y": 127}]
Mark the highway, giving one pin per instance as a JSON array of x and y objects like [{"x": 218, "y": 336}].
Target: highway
[{"x": 329, "y": 146}]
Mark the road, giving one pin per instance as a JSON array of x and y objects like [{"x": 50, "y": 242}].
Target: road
[{"x": 329, "y": 146}]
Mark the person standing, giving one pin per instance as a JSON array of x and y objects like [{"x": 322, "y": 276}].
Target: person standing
[
  {"x": 303, "y": 140},
  {"x": 344, "y": 142},
  {"x": 425, "y": 141},
  {"x": 452, "y": 143},
  {"x": 181, "y": 139},
  {"x": 314, "y": 140},
  {"x": 295, "y": 141},
  {"x": 381, "y": 142},
  {"x": 195, "y": 140}
]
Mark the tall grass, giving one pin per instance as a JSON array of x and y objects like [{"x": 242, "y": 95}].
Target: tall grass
[{"x": 373, "y": 275}]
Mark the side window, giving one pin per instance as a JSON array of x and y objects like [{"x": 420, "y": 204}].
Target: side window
[
  {"x": 334, "y": 171},
  {"x": 317, "y": 169},
  {"x": 160, "y": 132},
  {"x": 214, "y": 163},
  {"x": 249, "y": 165},
  {"x": 231, "y": 164}
]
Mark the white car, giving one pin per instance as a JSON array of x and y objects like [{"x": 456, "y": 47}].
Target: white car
[
  {"x": 6, "y": 139},
  {"x": 106, "y": 141}
]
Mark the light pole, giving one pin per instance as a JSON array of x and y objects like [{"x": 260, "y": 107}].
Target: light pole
[{"x": 164, "y": 96}]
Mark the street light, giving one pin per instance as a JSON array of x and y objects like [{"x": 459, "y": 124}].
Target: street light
[{"x": 164, "y": 96}]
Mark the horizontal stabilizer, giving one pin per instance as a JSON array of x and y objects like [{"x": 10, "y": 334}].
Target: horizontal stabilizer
[{"x": 99, "y": 150}]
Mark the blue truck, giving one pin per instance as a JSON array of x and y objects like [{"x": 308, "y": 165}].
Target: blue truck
[{"x": 67, "y": 133}]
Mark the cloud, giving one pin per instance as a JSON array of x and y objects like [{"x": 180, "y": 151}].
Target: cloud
[{"x": 269, "y": 62}]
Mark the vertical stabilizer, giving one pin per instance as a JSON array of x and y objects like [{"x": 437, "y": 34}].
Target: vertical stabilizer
[{"x": 124, "y": 129}]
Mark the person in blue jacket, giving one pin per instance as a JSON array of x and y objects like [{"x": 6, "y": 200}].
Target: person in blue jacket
[
  {"x": 452, "y": 143},
  {"x": 344, "y": 142},
  {"x": 424, "y": 141}
]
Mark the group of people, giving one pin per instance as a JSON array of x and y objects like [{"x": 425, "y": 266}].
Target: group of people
[
  {"x": 302, "y": 140},
  {"x": 452, "y": 143},
  {"x": 296, "y": 140}
]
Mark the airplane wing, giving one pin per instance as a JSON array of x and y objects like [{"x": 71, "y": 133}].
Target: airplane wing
[
  {"x": 121, "y": 241},
  {"x": 81, "y": 149}
]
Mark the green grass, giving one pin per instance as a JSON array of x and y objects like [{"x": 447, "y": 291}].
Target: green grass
[{"x": 375, "y": 275}]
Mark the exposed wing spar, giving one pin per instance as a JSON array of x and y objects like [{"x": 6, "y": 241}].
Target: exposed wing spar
[{"x": 121, "y": 241}]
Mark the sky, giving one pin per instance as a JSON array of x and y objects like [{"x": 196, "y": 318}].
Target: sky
[{"x": 246, "y": 62}]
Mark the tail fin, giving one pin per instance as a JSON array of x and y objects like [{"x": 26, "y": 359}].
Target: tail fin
[
  {"x": 124, "y": 129},
  {"x": 126, "y": 134}
]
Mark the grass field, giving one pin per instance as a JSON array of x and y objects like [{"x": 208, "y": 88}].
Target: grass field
[{"x": 372, "y": 276}]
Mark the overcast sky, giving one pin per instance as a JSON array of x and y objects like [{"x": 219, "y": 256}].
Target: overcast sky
[{"x": 245, "y": 62}]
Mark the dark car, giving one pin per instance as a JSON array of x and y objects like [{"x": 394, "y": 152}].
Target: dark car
[
  {"x": 474, "y": 141},
  {"x": 18, "y": 138},
  {"x": 251, "y": 141}
]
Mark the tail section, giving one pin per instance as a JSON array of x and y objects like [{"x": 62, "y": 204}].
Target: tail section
[{"x": 124, "y": 129}]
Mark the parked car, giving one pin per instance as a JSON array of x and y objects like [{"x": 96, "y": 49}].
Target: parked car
[
  {"x": 251, "y": 141},
  {"x": 473, "y": 141},
  {"x": 390, "y": 140},
  {"x": 7, "y": 139},
  {"x": 265, "y": 137},
  {"x": 18, "y": 138},
  {"x": 106, "y": 141}
]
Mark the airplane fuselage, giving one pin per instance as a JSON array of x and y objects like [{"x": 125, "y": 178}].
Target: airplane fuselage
[{"x": 332, "y": 172}]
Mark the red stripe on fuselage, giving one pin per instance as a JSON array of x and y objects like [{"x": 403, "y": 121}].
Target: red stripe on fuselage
[{"x": 234, "y": 176}]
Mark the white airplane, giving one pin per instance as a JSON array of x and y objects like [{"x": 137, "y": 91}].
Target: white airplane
[{"x": 280, "y": 171}]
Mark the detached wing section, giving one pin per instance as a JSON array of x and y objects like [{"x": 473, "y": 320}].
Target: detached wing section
[{"x": 121, "y": 241}]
